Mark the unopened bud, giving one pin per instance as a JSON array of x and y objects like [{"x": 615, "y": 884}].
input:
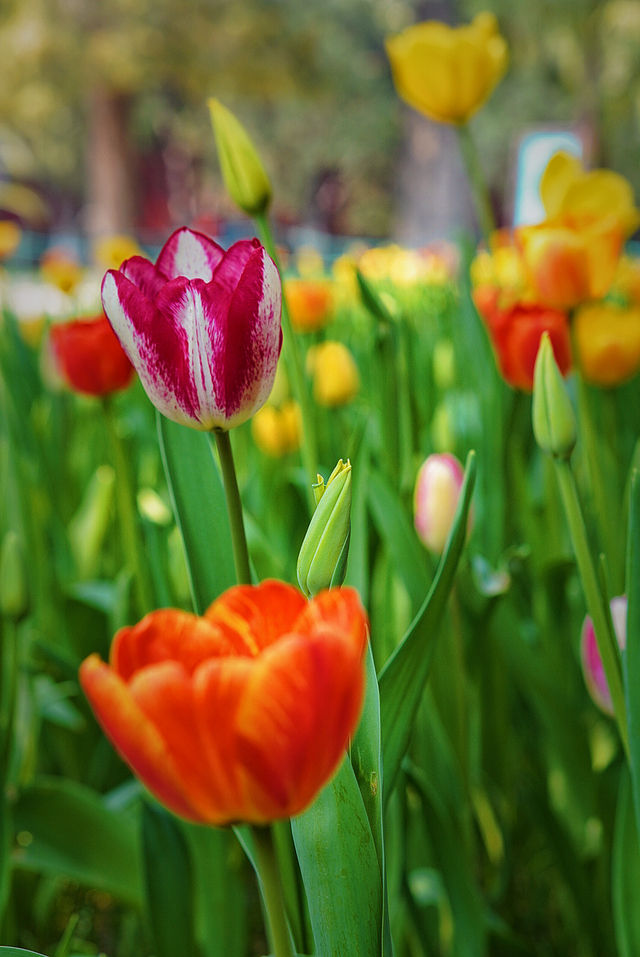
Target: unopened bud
[
  {"x": 435, "y": 499},
  {"x": 322, "y": 561},
  {"x": 554, "y": 422},
  {"x": 242, "y": 171}
]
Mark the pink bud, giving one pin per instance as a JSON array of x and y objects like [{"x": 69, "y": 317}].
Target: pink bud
[
  {"x": 436, "y": 498},
  {"x": 592, "y": 668}
]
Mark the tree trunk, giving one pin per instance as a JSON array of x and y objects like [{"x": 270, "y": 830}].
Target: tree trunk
[{"x": 110, "y": 170}]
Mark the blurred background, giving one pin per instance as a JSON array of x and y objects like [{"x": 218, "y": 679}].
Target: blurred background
[{"x": 104, "y": 127}]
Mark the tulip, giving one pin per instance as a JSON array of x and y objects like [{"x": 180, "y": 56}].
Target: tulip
[
  {"x": 110, "y": 251},
  {"x": 607, "y": 341},
  {"x": 87, "y": 357},
  {"x": 240, "y": 715},
  {"x": 322, "y": 560},
  {"x": 201, "y": 326},
  {"x": 277, "y": 431},
  {"x": 242, "y": 170},
  {"x": 335, "y": 375},
  {"x": 310, "y": 303},
  {"x": 446, "y": 72},
  {"x": 61, "y": 268},
  {"x": 554, "y": 421},
  {"x": 592, "y": 668},
  {"x": 435, "y": 499},
  {"x": 10, "y": 236}
]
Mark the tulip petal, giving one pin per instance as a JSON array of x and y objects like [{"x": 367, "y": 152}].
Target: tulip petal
[
  {"x": 144, "y": 276},
  {"x": 156, "y": 344},
  {"x": 134, "y": 737},
  {"x": 338, "y": 609},
  {"x": 256, "y": 616},
  {"x": 189, "y": 254},
  {"x": 294, "y": 722},
  {"x": 169, "y": 635},
  {"x": 165, "y": 694}
]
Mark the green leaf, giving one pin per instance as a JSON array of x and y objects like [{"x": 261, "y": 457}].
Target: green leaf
[
  {"x": 404, "y": 675},
  {"x": 397, "y": 533},
  {"x": 625, "y": 878},
  {"x": 631, "y": 656},
  {"x": 16, "y": 951},
  {"x": 168, "y": 882},
  {"x": 198, "y": 500},
  {"x": 340, "y": 870},
  {"x": 67, "y": 828}
]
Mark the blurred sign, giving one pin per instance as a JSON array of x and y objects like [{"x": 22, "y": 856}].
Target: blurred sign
[{"x": 535, "y": 149}]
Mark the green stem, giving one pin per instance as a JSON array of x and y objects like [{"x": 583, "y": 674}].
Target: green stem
[
  {"x": 295, "y": 372},
  {"x": 234, "y": 507},
  {"x": 127, "y": 514},
  {"x": 271, "y": 888},
  {"x": 477, "y": 181},
  {"x": 606, "y": 641}
]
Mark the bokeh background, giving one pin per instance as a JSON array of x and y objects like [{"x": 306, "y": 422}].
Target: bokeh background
[{"x": 104, "y": 127}]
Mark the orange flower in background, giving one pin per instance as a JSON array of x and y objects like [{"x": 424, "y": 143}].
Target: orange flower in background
[
  {"x": 607, "y": 342},
  {"x": 515, "y": 334},
  {"x": 310, "y": 302},
  {"x": 87, "y": 356},
  {"x": 243, "y": 714},
  {"x": 573, "y": 255}
]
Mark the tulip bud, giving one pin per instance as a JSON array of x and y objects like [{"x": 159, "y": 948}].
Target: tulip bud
[
  {"x": 242, "y": 171},
  {"x": 14, "y": 590},
  {"x": 435, "y": 499},
  {"x": 322, "y": 560},
  {"x": 554, "y": 423},
  {"x": 592, "y": 668}
]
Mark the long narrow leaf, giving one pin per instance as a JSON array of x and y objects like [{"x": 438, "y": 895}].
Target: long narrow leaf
[
  {"x": 404, "y": 675},
  {"x": 631, "y": 656},
  {"x": 625, "y": 877},
  {"x": 200, "y": 510},
  {"x": 168, "y": 883}
]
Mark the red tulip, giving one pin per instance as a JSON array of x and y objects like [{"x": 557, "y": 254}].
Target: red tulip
[
  {"x": 240, "y": 715},
  {"x": 201, "y": 326},
  {"x": 88, "y": 357}
]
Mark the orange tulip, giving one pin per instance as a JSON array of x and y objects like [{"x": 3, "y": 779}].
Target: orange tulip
[
  {"x": 240, "y": 715},
  {"x": 88, "y": 357},
  {"x": 607, "y": 340},
  {"x": 310, "y": 302}
]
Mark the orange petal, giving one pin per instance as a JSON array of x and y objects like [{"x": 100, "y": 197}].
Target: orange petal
[
  {"x": 253, "y": 617},
  {"x": 338, "y": 609},
  {"x": 301, "y": 707},
  {"x": 133, "y": 735},
  {"x": 168, "y": 635}
]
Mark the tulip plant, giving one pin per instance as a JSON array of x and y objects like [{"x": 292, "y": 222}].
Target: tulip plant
[{"x": 280, "y": 674}]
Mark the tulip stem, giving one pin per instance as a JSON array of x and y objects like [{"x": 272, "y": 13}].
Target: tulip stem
[
  {"x": 477, "y": 182},
  {"x": 127, "y": 513},
  {"x": 271, "y": 888},
  {"x": 295, "y": 372},
  {"x": 234, "y": 507},
  {"x": 605, "y": 638}
]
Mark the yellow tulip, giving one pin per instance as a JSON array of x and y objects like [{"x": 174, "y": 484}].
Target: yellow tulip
[
  {"x": 607, "y": 342},
  {"x": 277, "y": 431},
  {"x": 111, "y": 251},
  {"x": 335, "y": 375},
  {"x": 581, "y": 197},
  {"x": 10, "y": 236},
  {"x": 446, "y": 72}
]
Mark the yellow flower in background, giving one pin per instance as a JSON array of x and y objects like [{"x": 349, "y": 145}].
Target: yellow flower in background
[
  {"x": 446, "y": 72},
  {"x": 627, "y": 279},
  {"x": 310, "y": 303},
  {"x": 581, "y": 197},
  {"x": 607, "y": 342},
  {"x": 60, "y": 267},
  {"x": 10, "y": 236},
  {"x": 335, "y": 375},
  {"x": 110, "y": 252},
  {"x": 309, "y": 262},
  {"x": 277, "y": 431}
]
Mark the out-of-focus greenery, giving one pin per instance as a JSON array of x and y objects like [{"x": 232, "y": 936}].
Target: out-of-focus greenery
[{"x": 311, "y": 81}]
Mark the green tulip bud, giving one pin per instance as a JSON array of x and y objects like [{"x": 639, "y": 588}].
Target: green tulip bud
[
  {"x": 322, "y": 561},
  {"x": 554, "y": 421},
  {"x": 14, "y": 589},
  {"x": 242, "y": 170}
]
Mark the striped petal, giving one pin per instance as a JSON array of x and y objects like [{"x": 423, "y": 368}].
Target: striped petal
[
  {"x": 256, "y": 616},
  {"x": 190, "y": 254}
]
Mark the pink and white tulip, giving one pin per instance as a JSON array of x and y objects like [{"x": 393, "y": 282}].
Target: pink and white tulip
[
  {"x": 435, "y": 499},
  {"x": 201, "y": 327},
  {"x": 592, "y": 667}
]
